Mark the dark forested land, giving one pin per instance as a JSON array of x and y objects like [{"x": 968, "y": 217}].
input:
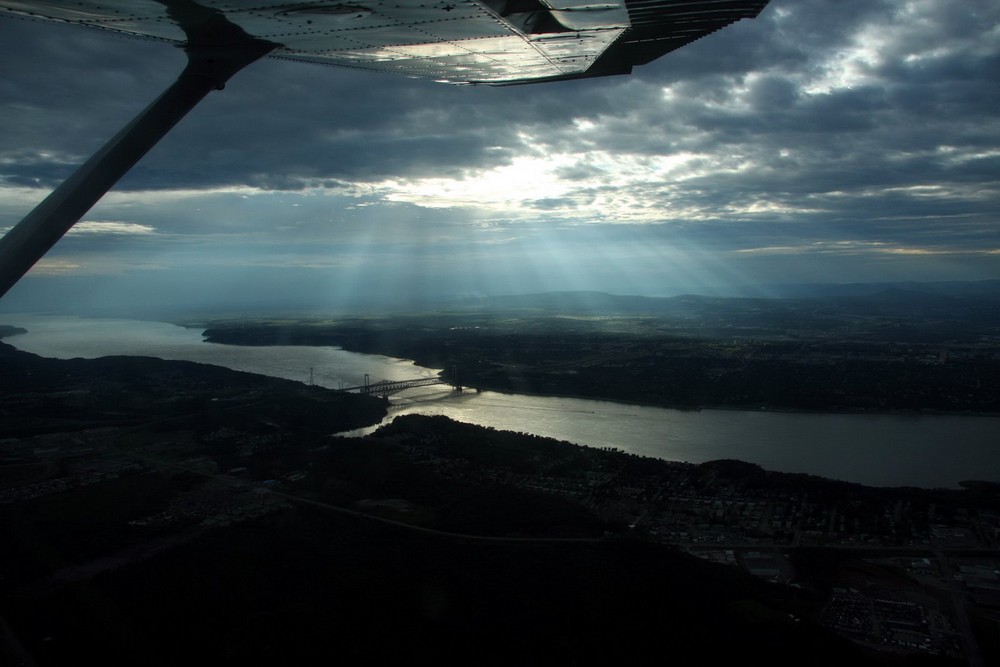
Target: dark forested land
[
  {"x": 300, "y": 587},
  {"x": 8, "y": 330},
  {"x": 169, "y": 513},
  {"x": 894, "y": 351},
  {"x": 42, "y": 395}
]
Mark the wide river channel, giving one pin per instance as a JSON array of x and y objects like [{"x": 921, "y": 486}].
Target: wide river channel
[{"x": 879, "y": 450}]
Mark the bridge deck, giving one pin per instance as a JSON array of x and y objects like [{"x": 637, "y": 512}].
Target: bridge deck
[{"x": 386, "y": 388}]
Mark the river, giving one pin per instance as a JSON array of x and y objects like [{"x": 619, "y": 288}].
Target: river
[{"x": 879, "y": 450}]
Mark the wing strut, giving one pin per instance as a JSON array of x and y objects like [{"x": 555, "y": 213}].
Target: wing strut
[{"x": 211, "y": 62}]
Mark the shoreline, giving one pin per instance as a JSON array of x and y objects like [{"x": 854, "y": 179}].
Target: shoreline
[
  {"x": 734, "y": 408},
  {"x": 740, "y": 415},
  {"x": 642, "y": 404},
  {"x": 605, "y": 399}
]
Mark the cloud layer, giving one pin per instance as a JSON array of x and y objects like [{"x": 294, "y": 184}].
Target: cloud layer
[{"x": 822, "y": 141}]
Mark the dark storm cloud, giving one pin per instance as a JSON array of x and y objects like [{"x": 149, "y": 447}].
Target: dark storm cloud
[
  {"x": 553, "y": 203},
  {"x": 282, "y": 125},
  {"x": 66, "y": 90},
  {"x": 822, "y": 127}
]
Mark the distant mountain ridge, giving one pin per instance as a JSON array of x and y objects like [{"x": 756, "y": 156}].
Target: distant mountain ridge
[
  {"x": 751, "y": 298},
  {"x": 956, "y": 288},
  {"x": 911, "y": 294},
  {"x": 926, "y": 312}
]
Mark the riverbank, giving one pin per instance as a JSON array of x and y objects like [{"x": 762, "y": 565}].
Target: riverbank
[
  {"x": 875, "y": 449},
  {"x": 679, "y": 374},
  {"x": 738, "y": 408},
  {"x": 41, "y": 395}
]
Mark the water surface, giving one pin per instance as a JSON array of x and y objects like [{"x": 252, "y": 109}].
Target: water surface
[{"x": 881, "y": 450}]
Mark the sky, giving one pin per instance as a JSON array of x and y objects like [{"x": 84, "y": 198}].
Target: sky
[{"x": 829, "y": 141}]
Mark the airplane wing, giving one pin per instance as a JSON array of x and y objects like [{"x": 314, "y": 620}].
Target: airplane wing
[{"x": 495, "y": 42}]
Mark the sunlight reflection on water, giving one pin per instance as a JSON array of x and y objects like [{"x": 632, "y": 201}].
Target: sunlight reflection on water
[{"x": 884, "y": 450}]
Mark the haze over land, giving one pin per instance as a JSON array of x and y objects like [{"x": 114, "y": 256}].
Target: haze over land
[{"x": 822, "y": 142}]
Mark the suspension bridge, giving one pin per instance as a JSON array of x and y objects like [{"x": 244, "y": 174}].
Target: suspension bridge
[{"x": 386, "y": 388}]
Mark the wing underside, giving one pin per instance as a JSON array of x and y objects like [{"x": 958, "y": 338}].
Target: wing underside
[{"x": 457, "y": 41}]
